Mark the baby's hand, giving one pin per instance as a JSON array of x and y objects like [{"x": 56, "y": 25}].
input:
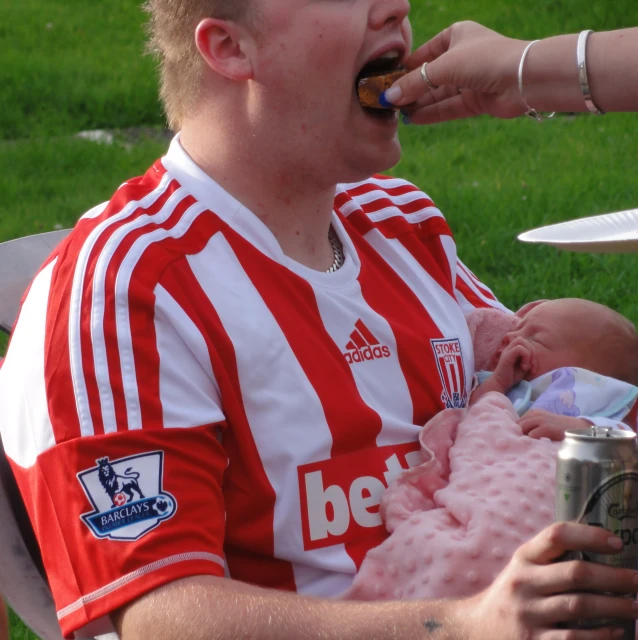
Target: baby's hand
[
  {"x": 516, "y": 361},
  {"x": 543, "y": 424}
]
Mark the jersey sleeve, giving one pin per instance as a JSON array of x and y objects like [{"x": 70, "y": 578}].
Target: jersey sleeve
[{"x": 111, "y": 420}]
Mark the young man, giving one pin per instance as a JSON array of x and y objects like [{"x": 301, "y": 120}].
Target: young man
[{"x": 215, "y": 377}]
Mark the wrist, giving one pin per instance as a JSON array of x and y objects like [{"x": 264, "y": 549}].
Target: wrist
[
  {"x": 510, "y": 64},
  {"x": 426, "y": 619},
  {"x": 445, "y": 619},
  {"x": 550, "y": 78},
  {"x": 596, "y": 62}
]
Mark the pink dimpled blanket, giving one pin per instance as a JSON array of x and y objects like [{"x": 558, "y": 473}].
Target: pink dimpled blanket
[{"x": 483, "y": 490}]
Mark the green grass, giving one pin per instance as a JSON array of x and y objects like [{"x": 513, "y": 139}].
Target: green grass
[
  {"x": 69, "y": 65},
  {"x": 48, "y": 184},
  {"x": 495, "y": 179},
  {"x": 529, "y": 20},
  {"x": 18, "y": 630},
  {"x": 45, "y": 182}
]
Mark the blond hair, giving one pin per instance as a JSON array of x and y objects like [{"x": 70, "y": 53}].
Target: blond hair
[{"x": 171, "y": 31}]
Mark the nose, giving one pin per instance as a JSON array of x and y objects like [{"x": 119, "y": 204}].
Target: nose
[{"x": 388, "y": 12}]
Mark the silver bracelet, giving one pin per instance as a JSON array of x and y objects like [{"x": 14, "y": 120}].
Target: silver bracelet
[
  {"x": 581, "y": 59},
  {"x": 532, "y": 113}
]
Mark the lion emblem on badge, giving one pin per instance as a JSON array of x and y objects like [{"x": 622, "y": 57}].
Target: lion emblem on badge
[
  {"x": 120, "y": 488},
  {"x": 120, "y": 509}
]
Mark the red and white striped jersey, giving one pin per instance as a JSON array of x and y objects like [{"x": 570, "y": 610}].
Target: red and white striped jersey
[{"x": 181, "y": 398}]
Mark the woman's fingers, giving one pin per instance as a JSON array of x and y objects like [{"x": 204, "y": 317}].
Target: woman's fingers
[
  {"x": 551, "y": 543},
  {"x": 452, "y": 108},
  {"x": 458, "y": 33},
  {"x": 468, "y": 56},
  {"x": 431, "y": 50},
  {"x": 573, "y": 575},
  {"x": 407, "y": 89},
  {"x": 432, "y": 97},
  {"x": 412, "y": 86},
  {"x": 450, "y": 103}
]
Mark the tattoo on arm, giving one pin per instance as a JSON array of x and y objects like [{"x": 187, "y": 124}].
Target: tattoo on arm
[{"x": 432, "y": 625}]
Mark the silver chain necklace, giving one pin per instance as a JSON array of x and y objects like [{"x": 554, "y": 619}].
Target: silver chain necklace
[{"x": 337, "y": 247}]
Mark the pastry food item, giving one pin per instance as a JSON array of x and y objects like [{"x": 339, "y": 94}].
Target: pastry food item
[{"x": 371, "y": 87}]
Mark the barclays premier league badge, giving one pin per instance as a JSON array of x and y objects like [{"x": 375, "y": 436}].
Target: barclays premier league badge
[{"x": 127, "y": 496}]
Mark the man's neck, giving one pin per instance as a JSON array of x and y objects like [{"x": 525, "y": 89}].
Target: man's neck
[{"x": 294, "y": 207}]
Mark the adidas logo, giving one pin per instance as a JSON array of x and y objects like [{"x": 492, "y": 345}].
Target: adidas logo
[{"x": 364, "y": 346}]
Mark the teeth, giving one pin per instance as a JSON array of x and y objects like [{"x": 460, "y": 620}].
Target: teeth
[{"x": 391, "y": 55}]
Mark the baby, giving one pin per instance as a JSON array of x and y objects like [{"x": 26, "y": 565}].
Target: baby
[
  {"x": 484, "y": 488},
  {"x": 552, "y": 335}
]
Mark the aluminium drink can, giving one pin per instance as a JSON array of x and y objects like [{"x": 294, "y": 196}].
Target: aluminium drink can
[{"x": 597, "y": 484}]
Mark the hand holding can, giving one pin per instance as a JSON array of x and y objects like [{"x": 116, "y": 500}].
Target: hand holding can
[
  {"x": 535, "y": 596},
  {"x": 597, "y": 485}
]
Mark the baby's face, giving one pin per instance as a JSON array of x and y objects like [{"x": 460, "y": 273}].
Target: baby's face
[{"x": 557, "y": 333}]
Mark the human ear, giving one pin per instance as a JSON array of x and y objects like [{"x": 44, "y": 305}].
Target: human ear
[{"x": 225, "y": 47}]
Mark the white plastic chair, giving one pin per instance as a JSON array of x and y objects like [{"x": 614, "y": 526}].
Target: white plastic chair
[
  {"x": 19, "y": 262},
  {"x": 22, "y": 581}
]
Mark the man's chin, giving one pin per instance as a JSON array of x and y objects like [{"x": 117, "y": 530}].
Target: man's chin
[{"x": 366, "y": 167}]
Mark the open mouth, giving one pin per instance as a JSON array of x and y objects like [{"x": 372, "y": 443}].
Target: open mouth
[{"x": 374, "y": 78}]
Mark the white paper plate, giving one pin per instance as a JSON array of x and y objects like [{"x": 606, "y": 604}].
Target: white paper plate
[{"x": 608, "y": 233}]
